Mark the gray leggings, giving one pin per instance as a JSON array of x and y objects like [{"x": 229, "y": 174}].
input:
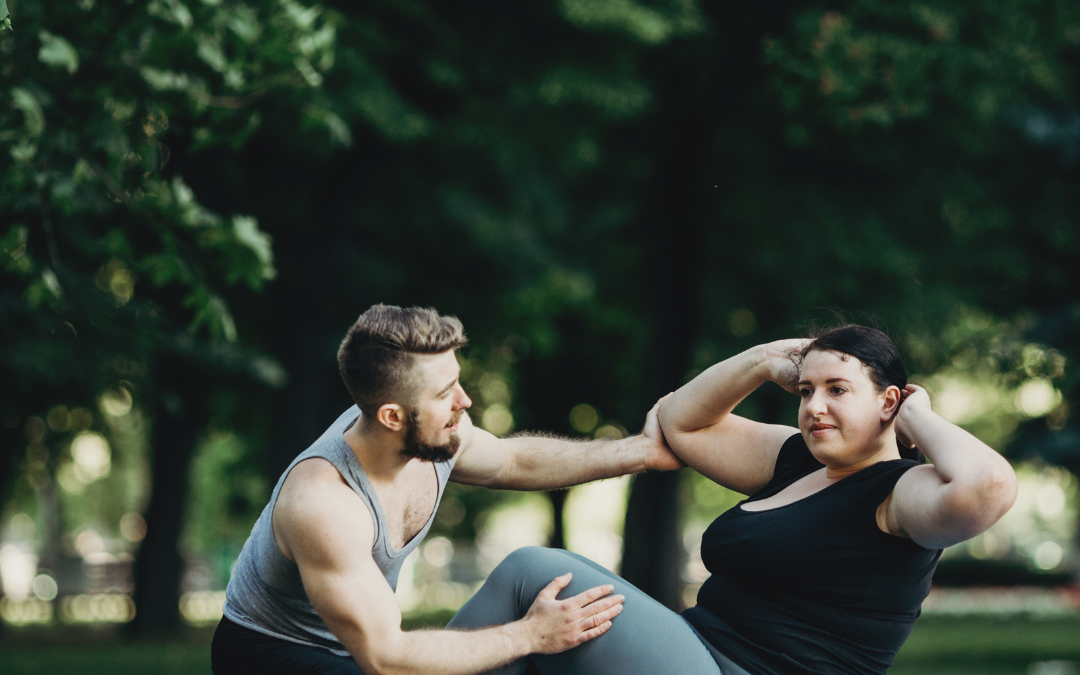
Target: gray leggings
[{"x": 647, "y": 638}]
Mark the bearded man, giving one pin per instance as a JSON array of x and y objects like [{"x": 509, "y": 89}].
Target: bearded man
[{"x": 313, "y": 590}]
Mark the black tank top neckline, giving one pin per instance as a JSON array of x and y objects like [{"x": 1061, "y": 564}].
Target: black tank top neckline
[{"x": 813, "y": 586}]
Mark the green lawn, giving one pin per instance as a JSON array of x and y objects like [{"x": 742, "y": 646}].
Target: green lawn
[
  {"x": 937, "y": 647},
  {"x": 986, "y": 646}
]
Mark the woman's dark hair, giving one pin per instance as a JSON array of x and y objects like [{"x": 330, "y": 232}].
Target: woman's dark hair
[{"x": 874, "y": 350}]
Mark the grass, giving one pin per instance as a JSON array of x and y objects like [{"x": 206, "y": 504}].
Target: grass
[
  {"x": 938, "y": 646},
  {"x": 989, "y": 646}
]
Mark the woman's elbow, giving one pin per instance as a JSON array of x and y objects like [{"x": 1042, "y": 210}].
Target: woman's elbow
[
  {"x": 666, "y": 417},
  {"x": 1001, "y": 490},
  {"x": 982, "y": 503}
]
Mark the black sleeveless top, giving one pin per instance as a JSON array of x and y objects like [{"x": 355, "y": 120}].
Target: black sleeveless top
[{"x": 814, "y": 586}]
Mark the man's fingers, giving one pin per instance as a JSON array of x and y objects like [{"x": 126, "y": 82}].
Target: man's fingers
[
  {"x": 594, "y": 593},
  {"x": 601, "y": 617},
  {"x": 556, "y": 585},
  {"x": 594, "y": 632},
  {"x": 594, "y": 608}
]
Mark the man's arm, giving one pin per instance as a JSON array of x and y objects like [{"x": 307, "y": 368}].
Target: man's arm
[
  {"x": 545, "y": 462},
  {"x": 324, "y": 527}
]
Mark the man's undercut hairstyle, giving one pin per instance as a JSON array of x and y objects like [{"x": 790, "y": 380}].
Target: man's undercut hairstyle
[{"x": 378, "y": 354}]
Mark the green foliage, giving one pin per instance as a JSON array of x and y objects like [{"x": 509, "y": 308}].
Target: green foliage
[
  {"x": 228, "y": 491},
  {"x": 110, "y": 263},
  {"x": 572, "y": 178},
  {"x": 104, "y": 232},
  {"x": 878, "y": 63}
]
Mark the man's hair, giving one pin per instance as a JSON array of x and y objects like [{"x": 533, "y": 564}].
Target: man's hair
[{"x": 377, "y": 356}]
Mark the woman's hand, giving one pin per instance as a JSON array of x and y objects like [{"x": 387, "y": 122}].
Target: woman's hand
[
  {"x": 965, "y": 490},
  {"x": 911, "y": 397},
  {"x": 781, "y": 364}
]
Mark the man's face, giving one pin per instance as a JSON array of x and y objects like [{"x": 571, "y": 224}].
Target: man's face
[{"x": 431, "y": 434}]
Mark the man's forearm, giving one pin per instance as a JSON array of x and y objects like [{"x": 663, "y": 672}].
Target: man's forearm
[
  {"x": 447, "y": 652},
  {"x": 545, "y": 463}
]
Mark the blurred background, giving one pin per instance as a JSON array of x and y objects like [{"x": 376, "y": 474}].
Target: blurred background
[{"x": 198, "y": 197}]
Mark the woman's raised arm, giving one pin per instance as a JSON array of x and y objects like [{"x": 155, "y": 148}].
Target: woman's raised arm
[
  {"x": 966, "y": 490},
  {"x": 730, "y": 450}
]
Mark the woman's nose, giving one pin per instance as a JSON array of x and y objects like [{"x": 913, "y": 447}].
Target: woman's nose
[{"x": 815, "y": 405}]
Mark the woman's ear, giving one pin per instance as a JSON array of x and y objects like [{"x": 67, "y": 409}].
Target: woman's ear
[
  {"x": 391, "y": 416},
  {"x": 890, "y": 403}
]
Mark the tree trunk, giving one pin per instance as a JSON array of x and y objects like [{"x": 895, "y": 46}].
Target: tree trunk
[
  {"x": 180, "y": 417},
  {"x": 558, "y": 530},
  {"x": 653, "y": 554}
]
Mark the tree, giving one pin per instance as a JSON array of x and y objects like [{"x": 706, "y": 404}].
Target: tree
[{"x": 115, "y": 275}]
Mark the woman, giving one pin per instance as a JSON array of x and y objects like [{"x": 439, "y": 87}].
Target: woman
[{"x": 824, "y": 568}]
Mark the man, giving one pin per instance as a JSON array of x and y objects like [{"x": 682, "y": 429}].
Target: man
[{"x": 313, "y": 590}]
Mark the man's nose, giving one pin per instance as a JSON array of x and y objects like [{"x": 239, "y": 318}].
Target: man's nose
[{"x": 463, "y": 400}]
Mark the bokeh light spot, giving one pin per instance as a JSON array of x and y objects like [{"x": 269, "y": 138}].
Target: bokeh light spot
[
  {"x": 439, "y": 551},
  {"x": 1049, "y": 555},
  {"x": 742, "y": 322},
  {"x": 132, "y": 527},
  {"x": 44, "y": 587},
  {"x": 584, "y": 418},
  {"x": 498, "y": 420}
]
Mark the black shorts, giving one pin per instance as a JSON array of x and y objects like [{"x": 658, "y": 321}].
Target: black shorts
[{"x": 241, "y": 651}]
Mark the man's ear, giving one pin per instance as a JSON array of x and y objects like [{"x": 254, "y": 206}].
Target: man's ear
[
  {"x": 890, "y": 403},
  {"x": 392, "y": 416}
]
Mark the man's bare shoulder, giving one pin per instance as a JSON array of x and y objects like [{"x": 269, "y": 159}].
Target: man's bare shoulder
[{"x": 317, "y": 508}]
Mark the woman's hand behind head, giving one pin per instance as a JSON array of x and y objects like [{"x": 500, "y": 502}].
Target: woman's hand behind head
[
  {"x": 911, "y": 396},
  {"x": 781, "y": 362}
]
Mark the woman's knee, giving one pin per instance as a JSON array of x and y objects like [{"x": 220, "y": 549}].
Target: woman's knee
[
  {"x": 532, "y": 568},
  {"x": 531, "y": 559}
]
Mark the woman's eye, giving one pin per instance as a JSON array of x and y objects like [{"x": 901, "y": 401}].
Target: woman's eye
[
  {"x": 838, "y": 390},
  {"x": 804, "y": 392}
]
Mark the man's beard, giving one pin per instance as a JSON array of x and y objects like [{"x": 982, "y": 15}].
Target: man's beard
[{"x": 425, "y": 452}]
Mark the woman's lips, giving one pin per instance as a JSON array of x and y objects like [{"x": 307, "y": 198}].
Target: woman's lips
[{"x": 821, "y": 430}]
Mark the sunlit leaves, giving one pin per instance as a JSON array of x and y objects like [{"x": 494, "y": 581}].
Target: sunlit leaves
[
  {"x": 875, "y": 64},
  {"x": 624, "y": 97},
  {"x": 652, "y": 23},
  {"x": 104, "y": 237},
  {"x": 14, "y": 254},
  {"x": 174, "y": 11},
  {"x": 57, "y": 52},
  {"x": 5, "y": 19},
  {"x": 33, "y": 116}
]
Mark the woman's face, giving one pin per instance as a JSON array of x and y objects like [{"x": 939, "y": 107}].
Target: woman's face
[{"x": 843, "y": 416}]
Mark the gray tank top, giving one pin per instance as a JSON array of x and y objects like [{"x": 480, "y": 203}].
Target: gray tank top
[{"x": 265, "y": 593}]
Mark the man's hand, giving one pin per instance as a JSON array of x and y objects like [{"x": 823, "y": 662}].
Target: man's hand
[
  {"x": 659, "y": 456},
  {"x": 555, "y": 625}
]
